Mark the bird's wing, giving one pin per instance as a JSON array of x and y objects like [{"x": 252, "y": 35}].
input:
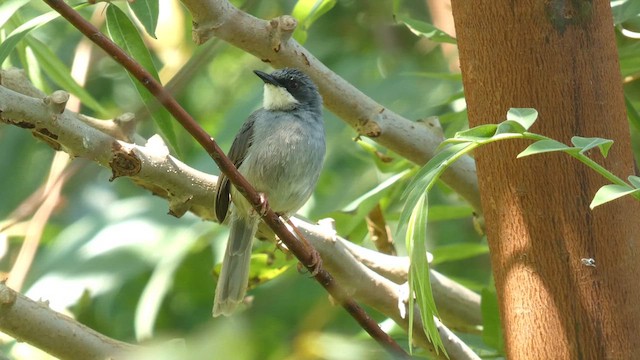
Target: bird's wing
[{"x": 237, "y": 154}]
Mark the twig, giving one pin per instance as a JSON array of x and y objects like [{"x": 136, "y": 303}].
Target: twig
[{"x": 307, "y": 258}]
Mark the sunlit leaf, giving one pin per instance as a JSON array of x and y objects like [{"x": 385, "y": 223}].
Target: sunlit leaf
[
  {"x": 20, "y": 32},
  {"x": 543, "y": 146},
  {"x": 8, "y": 8},
  {"x": 307, "y": 12},
  {"x": 635, "y": 181},
  {"x": 124, "y": 33},
  {"x": 146, "y": 11},
  {"x": 523, "y": 116},
  {"x": 586, "y": 144},
  {"x": 421, "y": 28},
  {"x": 611, "y": 192}
]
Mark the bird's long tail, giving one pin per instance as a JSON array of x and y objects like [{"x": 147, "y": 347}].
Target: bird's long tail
[{"x": 234, "y": 277}]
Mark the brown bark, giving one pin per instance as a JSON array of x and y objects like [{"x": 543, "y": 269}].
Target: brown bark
[{"x": 560, "y": 58}]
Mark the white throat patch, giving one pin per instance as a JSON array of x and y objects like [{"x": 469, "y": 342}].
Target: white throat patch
[{"x": 277, "y": 98}]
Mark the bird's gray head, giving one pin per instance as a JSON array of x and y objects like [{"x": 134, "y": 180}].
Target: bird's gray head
[{"x": 288, "y": 89}]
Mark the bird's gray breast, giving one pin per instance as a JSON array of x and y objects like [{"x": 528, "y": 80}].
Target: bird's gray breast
[{"x": 286, "y": 157}]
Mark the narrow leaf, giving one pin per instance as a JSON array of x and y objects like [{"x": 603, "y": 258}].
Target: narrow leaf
[
  {"x": 20, "y": 32},
  {"x": 373, "y": 193},
  {"x": 491, "y": 329},
  {"x": 146, "y": 11},
  {"x": 543, "y": 146},
  {"x": 586, "y": 144},
  {"x": 635, "y": 181},
  {"x": 425, "y": 178},
  {"x": 419, "y": 280},
  {"x": 61, "y": 74},
  {"x": 632, "y": 113},
  {"x": 421, "y": 28},
  {"x": 523, "y": 116},
  {"x": 125, "y": 34},
  {"x": 458, "y": 252},
  {"x": 611, "y": 192},
  {"x": 8, "y": 8}
]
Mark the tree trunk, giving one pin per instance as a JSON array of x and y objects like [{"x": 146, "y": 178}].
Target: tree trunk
[{"x": 559, "y": 57}]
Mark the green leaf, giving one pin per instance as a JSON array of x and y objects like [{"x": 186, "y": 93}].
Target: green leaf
[
  {"x": 307, "y": 12},
  {"x": 611, "y": 192},
  {"x": 635, "y": 181},
  {"x": 20, "y": 32},
  {"x": 426, "y": 177},
  {"x": 146, "y": 11},
  {"x": 510, "y": 127},
  {"x": 125, "y": 34},
  {"x": 632, "y": 113},
  {"x": 458, "y": 252},
  {"x": 61, "y": 74},
  {"x": 491, "y": 329},
  {"x": 586, "y": 144},
  {"x": 421, "y": 28},
  {"x": 624, "y": 10},
  {"x": 481, "y": 132},
  {"x": 419, "y": 280},
  {"x": 8, "y": 8},
  {"x": 449, "y": 212},
  {"x": 375, "y": 193},
  {"x": 543, "y": 146},
  {"x": 523, "y": 116}
]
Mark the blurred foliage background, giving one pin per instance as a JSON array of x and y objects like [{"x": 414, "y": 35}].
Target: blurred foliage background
[{"x": 110, "y": 255}]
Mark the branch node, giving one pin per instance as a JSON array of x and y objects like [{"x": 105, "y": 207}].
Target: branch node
[
  {"x": 57, "y": 101},
  {"x": 178, "y": 206},
  {"x": 7, "y": 296},
  {"x": 124, "y": 162},
  {"x": 280, "y": 31}
]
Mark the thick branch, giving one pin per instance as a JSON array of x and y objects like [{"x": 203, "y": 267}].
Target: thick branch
[
  {"x": 25, "y": 319},
  {"x": 413, "y": 140}
]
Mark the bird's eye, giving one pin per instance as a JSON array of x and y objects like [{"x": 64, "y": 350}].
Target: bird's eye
[{"x": 294, "y": 84}]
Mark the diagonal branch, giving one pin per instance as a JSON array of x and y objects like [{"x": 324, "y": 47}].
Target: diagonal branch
[
  {"x": 187, "y": 189},
  {"x": 270, "y": 41},
  {"x": 308, "y": 257}
]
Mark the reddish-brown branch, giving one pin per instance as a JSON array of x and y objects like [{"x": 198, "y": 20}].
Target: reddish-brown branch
[{"x": 308, "y": 257}]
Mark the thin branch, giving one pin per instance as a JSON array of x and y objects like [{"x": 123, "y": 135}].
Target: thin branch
[
  {"x": 306, "y": 256},
  {"x": 187, "y": 189},
  {"x": 413, "y": 140}
]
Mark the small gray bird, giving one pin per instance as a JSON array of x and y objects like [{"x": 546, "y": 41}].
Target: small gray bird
[{"x": 279, "y": 150}]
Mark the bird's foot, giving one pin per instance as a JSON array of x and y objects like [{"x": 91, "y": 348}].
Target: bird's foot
[{"x": 264, "y": 205}]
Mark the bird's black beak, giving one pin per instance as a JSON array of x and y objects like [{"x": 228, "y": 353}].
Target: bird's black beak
[{"x": 268, "y": 79}]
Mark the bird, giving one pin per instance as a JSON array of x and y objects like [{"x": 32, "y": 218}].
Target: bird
[{"x": 280, "y": 150}]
